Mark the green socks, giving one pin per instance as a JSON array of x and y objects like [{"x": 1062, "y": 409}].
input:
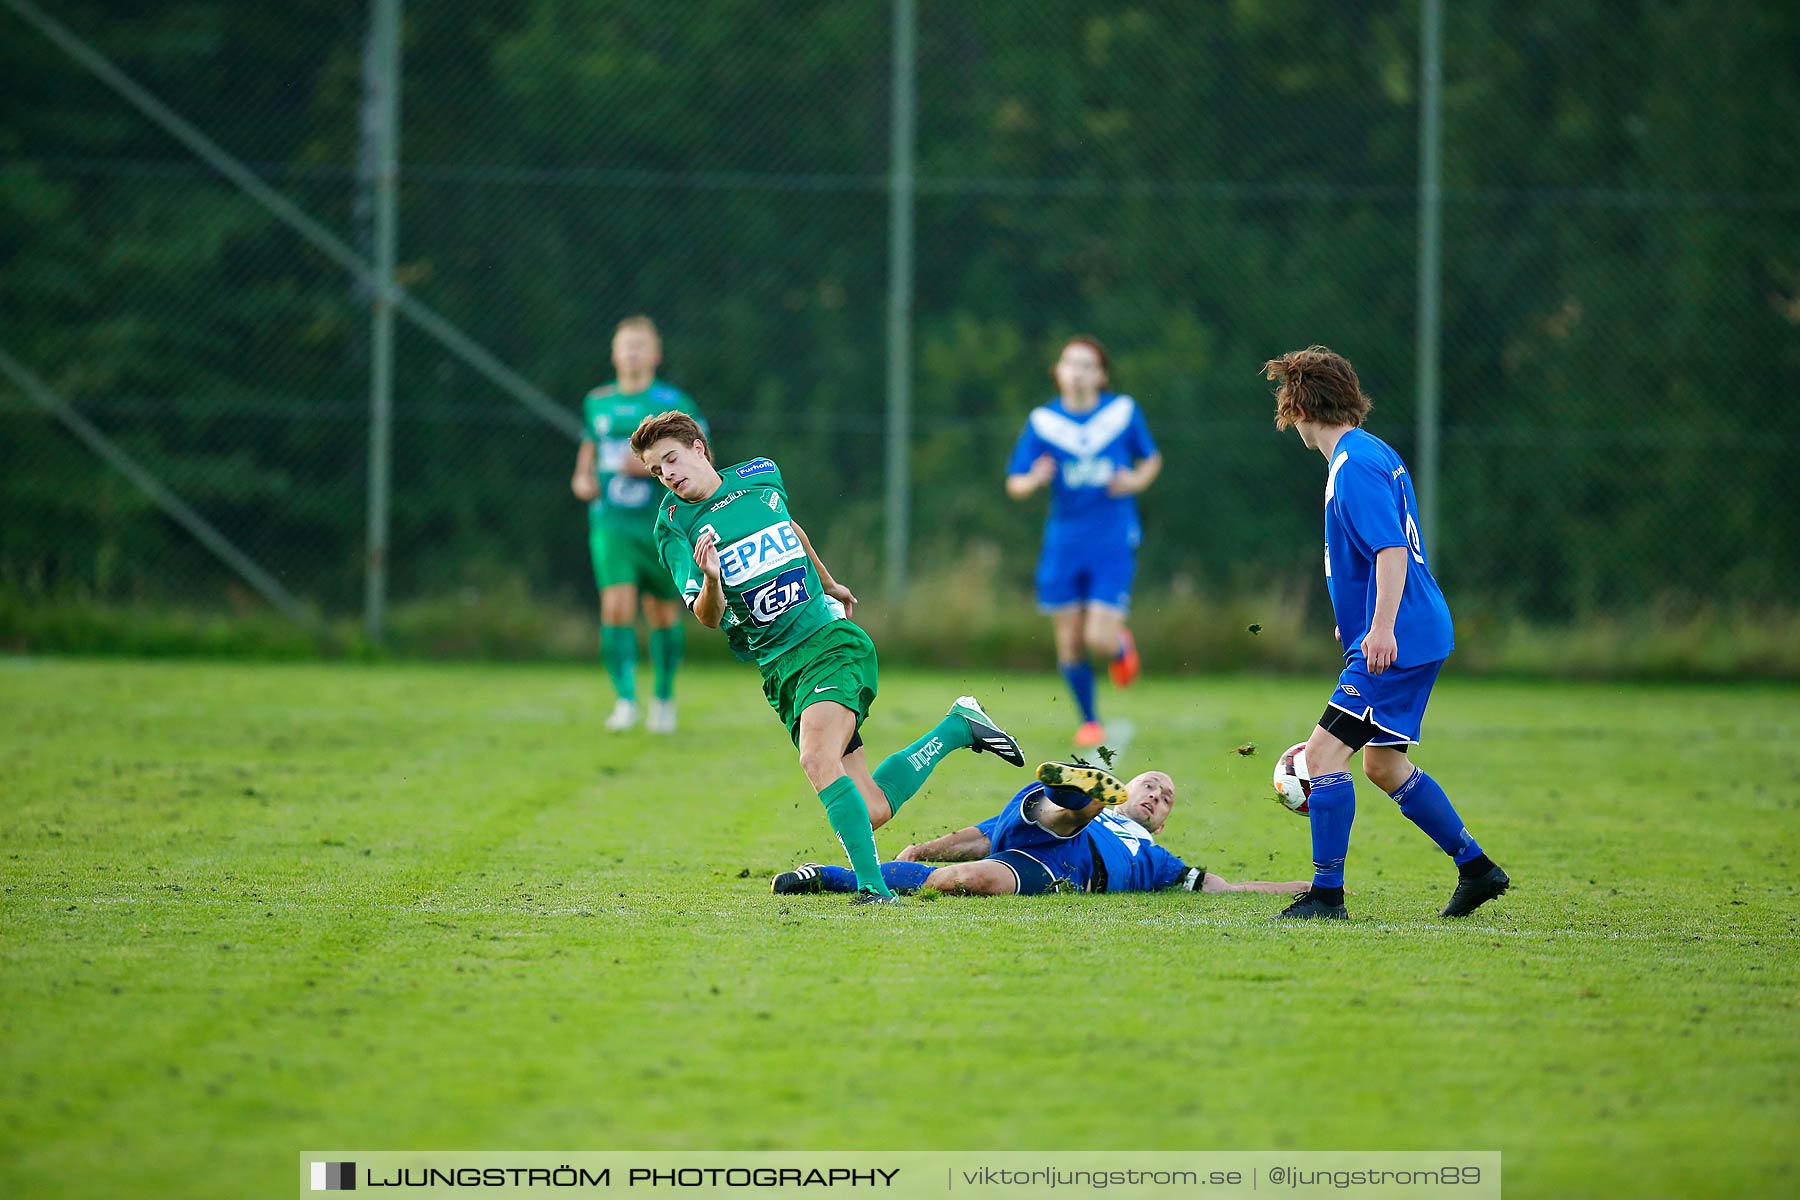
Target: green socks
[
  {"x": 618, "y": 650},
  {"x": 902, "y": 773},
  {"x": 665, "y": 652},
  {"x": 849, "y": 818}
]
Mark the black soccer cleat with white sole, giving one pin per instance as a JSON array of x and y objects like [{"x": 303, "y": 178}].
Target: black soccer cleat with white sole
[
  {"x": 987, "y": 737},
  {"x": 866, "y": 895},
  {"x": 804, "y": 879},
  {"x": 1307, "y": 906},
  {"x": 1475, "y": 891},
  {"x": 1096, "y": 783}
]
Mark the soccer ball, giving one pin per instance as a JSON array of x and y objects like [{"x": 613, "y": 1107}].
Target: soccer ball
[{"x": 1293, "y": 782}]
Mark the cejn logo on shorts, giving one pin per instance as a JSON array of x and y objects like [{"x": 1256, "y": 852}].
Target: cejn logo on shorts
[
  {"x": 763, "y": 550},
  {"x": 767, "y": 601}
]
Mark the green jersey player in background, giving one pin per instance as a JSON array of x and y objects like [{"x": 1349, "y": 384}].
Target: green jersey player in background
[
  {"x": 621, "y": 500},
  {"x": 743, "y": 564}
]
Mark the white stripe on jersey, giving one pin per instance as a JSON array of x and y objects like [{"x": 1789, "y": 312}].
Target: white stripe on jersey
[
  {"x": 1343, "y": 456},
  {"x": 1131, "y": 835},
  {"x": 1084, "y": 439}
]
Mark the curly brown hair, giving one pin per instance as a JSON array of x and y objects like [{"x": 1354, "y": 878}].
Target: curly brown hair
[
  {"x": 1316, "y": 384},
  {"x": 672, "y": 424}
]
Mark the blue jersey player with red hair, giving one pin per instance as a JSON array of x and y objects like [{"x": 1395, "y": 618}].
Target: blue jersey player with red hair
[
  {"x": 1395, "y": 629},
  {"x": 1092, "y": 448}
]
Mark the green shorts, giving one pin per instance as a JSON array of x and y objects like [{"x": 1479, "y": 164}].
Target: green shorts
[
  {"x": 621, "y": 558},
  {"x": 837, "y": 663}
]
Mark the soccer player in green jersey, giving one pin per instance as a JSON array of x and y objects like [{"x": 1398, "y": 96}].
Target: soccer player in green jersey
[
  {"x": 742, "y": 564},
  {"x": 621, "y": 500}
]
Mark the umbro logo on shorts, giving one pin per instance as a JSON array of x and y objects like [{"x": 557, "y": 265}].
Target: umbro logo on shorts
[{"x": 1350, "y": 691}]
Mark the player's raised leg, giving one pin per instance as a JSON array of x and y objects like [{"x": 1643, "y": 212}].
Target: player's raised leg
[
  {"x": 901, "y": 774},
  {"x": 1108, "y": 639}
]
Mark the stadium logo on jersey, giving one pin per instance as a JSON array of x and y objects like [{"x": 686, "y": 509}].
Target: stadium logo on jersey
[
  {"x": 716, "y": 505},
  {"x": 759, "y": 553},
  {"x": 767, "y": 601},
  {"x": 756, "y": 466},
  {"x": 1085, "y": 439}
]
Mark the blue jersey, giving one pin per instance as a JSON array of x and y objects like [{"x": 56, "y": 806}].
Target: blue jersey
[
  {"x": 1134, "y": 862},
  {"x": 1370, "y": 506},
  {"x": 1088, "y": 447},
  {"x": 1129, "y": 853}
]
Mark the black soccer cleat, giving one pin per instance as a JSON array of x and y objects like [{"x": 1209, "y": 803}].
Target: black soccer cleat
[
  {"x": 803, "y": 880},
  {"x": 866, "y": 895},
  {"x": 986, "y": 735},
  {"x": 1477, "y": 890},
  {"x": 1096, "y": 783},
  {"x": 1308, "y": 907}
]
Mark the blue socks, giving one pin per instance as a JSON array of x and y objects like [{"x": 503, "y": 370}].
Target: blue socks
[
  {"x": 1423, "y": 803},
  {"x": 900, "y": 876},
  {"x": 1080, "y": 678},
  {"x": 1332, "y": 809}
]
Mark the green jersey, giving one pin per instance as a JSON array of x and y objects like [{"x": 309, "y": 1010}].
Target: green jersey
[
  {"x": 608, "y": 419},
  {"x": 773, "y": 597}
]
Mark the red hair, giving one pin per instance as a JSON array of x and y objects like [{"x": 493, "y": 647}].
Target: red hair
[{"x": 1092, "y": 343}]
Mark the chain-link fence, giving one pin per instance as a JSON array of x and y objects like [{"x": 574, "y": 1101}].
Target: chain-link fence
[{"x": 1201, "y": 185}]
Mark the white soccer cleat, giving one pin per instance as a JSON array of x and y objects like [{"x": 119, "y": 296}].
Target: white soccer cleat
[
  {"x": 985, "y": 736},
  {"x": 624, "y": 716},
  {"x": 662, "y": 717}
]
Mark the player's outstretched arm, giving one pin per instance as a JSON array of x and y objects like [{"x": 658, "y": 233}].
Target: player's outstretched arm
[
  {"x": 833, "y": 588},
  {"x": 965, "y": 845},
  {"x": 1218, "y": 883}
]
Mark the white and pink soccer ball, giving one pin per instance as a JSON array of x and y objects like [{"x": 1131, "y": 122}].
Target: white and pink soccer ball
[{"x": 1293, "y": 782}]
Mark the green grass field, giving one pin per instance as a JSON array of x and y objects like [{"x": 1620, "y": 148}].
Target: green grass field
[{"x": 250, "y": 910}]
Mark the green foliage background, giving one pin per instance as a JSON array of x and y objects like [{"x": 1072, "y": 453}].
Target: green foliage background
[{"x": 1203, "y": 185}]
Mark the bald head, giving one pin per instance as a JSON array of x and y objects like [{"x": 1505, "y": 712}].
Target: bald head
[{"x": 1149, "y": 798}]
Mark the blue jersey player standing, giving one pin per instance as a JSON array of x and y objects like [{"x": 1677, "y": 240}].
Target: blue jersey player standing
[
  {"x": 1094, "y": 451},
  {"x": 1395, "y": 630}
]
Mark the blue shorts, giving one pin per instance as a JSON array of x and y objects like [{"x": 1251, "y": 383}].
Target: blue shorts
[
  {"x": 1393, "y": 701},
  {"x": 1088, "y": 573},
  {"x": 1039, "y": 859}
]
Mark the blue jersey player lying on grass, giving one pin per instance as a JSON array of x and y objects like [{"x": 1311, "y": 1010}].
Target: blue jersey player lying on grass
[
  {"x": 1395, "y": 629},
  {"x": 1076, "y": 828}
]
